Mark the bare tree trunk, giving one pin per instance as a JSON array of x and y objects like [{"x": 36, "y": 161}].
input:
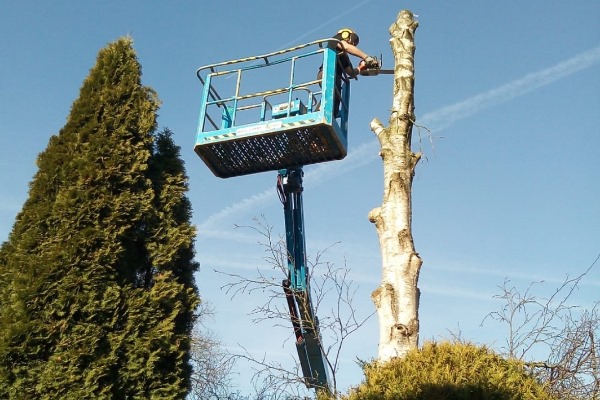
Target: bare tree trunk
[{"x": 397, "y": 298}]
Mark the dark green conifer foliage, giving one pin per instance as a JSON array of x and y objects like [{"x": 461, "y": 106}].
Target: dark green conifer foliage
[
  {"x": 448, "y": 371},
  {"x": 96, "y": 278}
]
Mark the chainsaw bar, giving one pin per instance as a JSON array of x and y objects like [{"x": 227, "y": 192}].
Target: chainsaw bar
[{"x": 375, "y": 71}]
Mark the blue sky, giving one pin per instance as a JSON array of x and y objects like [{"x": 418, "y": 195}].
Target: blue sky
[{"x": 509, "y": 186}]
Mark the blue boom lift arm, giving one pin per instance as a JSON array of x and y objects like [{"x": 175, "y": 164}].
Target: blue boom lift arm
[{"x": 297, "y": 286}]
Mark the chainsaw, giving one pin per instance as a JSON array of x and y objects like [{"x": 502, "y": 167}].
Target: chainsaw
[{"x": 372, "y": 69}]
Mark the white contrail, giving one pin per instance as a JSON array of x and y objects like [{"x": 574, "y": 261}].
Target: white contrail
[
  {"x": 206, "y": 228},
  {"x": 446, "y": 116},
  {"x": 326, "y": 23},
  {"x": 212, "y": 226},
  {"x": 435, "y": 121}
]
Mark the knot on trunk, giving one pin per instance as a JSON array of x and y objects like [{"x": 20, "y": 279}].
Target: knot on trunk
[{"x": 401, "y": 332}]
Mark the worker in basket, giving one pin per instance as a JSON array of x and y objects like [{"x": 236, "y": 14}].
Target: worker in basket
[{"x": 347, "y": 45}]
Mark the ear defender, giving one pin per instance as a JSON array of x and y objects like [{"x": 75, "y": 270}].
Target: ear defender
[
  {"x": 348, "y": 35},
  {"x": 345, "y": 33}
]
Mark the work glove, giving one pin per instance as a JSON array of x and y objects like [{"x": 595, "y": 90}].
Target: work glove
[{"x": 371, "y": 62}]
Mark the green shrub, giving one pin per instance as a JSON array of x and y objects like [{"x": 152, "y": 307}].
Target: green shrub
[{"x": 448, "y": 371}]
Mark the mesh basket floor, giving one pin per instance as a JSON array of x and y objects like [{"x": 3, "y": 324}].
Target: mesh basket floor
[{"x": 272, "y": 151}]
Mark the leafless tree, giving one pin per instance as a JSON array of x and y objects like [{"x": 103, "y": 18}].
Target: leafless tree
[
  {"x": 566, "y": 333},
  {"x": 212, "y": 365},
  {"x": 332, "y": 298}
]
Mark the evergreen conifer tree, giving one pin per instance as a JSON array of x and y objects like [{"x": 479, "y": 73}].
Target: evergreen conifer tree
[{"x": 96, "y": 279}]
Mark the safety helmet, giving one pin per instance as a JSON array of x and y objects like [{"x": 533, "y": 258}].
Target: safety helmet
[{"x": 349, "y": 35}]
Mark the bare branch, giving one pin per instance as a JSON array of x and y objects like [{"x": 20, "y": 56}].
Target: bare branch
[
  {"x": 566, "y": 333},
  {"x": 332, "y": 294},
  {"x": 212, "y": 366}
]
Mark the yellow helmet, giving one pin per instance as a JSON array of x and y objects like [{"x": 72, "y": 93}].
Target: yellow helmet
[{"x": 348, "y": 35}]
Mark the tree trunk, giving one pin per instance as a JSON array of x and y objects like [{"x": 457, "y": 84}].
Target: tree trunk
[{"x": 397, "y": 298}]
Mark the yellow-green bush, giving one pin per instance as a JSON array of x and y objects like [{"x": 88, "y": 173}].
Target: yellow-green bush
[{"x": 448, "y": 371}]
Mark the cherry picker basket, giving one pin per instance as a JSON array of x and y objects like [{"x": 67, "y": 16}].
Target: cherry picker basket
[{"x": 272, "y": 112}]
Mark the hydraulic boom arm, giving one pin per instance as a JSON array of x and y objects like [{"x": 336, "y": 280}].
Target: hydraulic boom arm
[{"x": 296, "y": 287}]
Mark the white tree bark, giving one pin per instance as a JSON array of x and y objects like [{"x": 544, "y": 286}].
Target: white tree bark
[{"x": 397, "y": 298}]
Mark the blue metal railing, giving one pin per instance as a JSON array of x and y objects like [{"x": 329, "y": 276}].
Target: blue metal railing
[{"x": 323, "y": 51}]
